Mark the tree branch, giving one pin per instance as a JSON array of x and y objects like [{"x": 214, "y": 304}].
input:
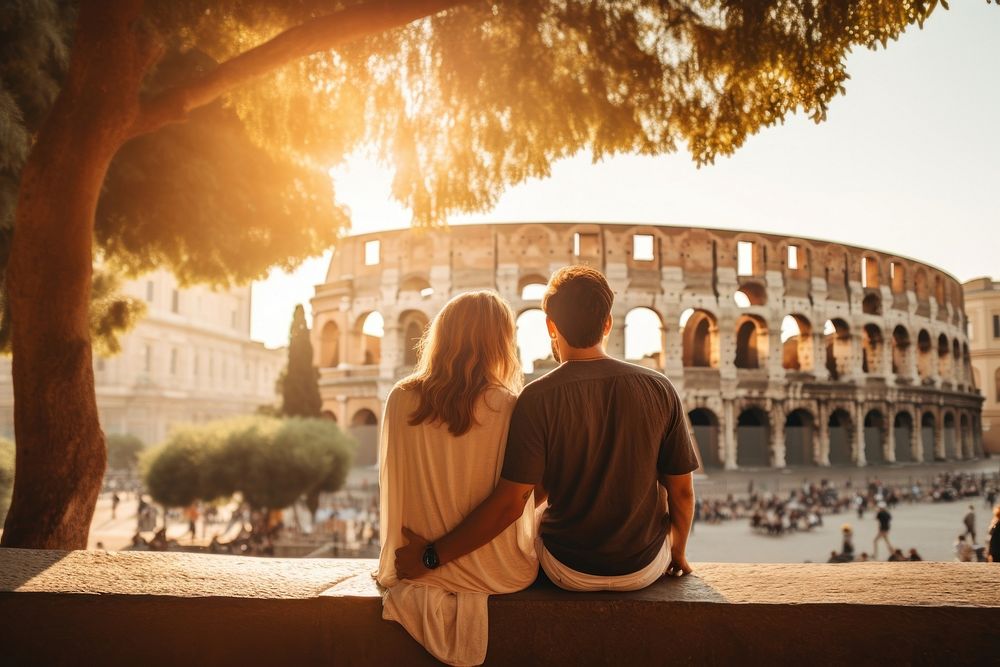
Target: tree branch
[{"x": 319, "y": 34}]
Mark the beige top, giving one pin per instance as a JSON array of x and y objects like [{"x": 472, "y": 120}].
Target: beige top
[{"x": 429, "y": 481}]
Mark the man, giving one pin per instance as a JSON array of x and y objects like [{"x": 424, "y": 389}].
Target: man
[
  {"x": 964, "y": 551},
  {"x": 970, "y": 523},
  {"x": 606, "y": 442},
  {"x": 884, "y": 518}
]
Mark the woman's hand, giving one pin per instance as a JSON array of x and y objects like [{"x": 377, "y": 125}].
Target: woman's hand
[
  {"x": 678, "y": 567},
  {"x": 410, "y": 557}
]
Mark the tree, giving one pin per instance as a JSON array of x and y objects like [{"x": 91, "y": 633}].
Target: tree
[
  {"x": 123, "y": 451},
  {"x": 300, "y": 381},
  {"x": 462, "y": 98}
]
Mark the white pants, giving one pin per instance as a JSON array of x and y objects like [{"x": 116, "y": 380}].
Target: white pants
[{"x": 569, "y": 579}]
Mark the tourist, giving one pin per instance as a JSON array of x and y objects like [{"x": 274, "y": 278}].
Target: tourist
[
  {"x": 847, "y": 546},
  {"x": 863, "y": 558},
  {"x": 964, "y": 551},
  {"x": 601, "y": 439},
  {"x": 115, "y": 499},
  {"x": 969, "y": 521},
  {"x": 442, "y": 443},
  {"x": 914, "y": 556},
  {"x": 897, "y": 556},
  {"x": 884, "y": 518},
  {"x": 994, "y": 530}
]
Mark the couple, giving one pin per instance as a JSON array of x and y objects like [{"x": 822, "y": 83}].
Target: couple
[{"x": 465, "y": 461}]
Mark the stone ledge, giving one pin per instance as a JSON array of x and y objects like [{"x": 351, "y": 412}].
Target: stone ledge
[{"x": 156, "y": 608}]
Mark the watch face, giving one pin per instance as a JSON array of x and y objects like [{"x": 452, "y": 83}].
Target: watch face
[{"x": 430, "y": 557}]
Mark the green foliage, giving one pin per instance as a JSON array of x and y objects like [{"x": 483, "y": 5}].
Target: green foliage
[
  {"x": 123, "y": 451},
  {"x": 271, "y": 462},
  {"x": 299, "y": 383},
  {"x": 6, "y": 476}
]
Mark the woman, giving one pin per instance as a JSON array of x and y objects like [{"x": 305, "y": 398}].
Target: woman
[
  {"x": 993, "y": 553},
  {"x": 440, "y": 454}
]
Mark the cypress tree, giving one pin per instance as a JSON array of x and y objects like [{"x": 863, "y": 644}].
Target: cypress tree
[{"x": 300, "y": 382}]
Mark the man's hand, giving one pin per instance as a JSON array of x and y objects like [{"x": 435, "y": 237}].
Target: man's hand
[
  {"x": 678, "y": 566},
  {"x": 410, "y": 556}
]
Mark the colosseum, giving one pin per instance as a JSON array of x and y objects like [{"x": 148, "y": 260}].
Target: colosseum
[{"x": 786, "y": 351}]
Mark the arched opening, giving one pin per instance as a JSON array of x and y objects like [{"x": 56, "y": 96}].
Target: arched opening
[
  {"x": 920, "y": 285},
  {"x": 329, "y": 345},
  {"x": 839, "y": 429},
  {"x": 750, "y": 294},
  {"x": 837, "y": 341},
  {"x": 371, "y": 329},
  {"x": 644, "y": 337},
  {"x": 996, "y": 385},
  {"x": 751, "y": 342},
  {"x": 950, "y": 437},
  {"x": 700, "y": 337},
  {"x": 364, "y": 429},
  {"x": 533, "y": 344},
  {"x": 924, "y": 356},
  {"x": 902, "y": 429},
  {"x": 753, "y": 437},
  {"x": 939, "y": 294},
  {"x": 415, "y": 287},
  {"x": 944, "y": 357},
  {"x": 705, "y": 426},
  {"x": 796, "y": 343},
  {"x": 799, "y": 428},
  {"x": 898, "y": 272},
  {"x": 965, "y": 438},
  {"x": 928, "y": 426},
  {"x": 532, "y": 287},
  {"x": 900, "y": 350},
  {"x": 871, "y": 304},
  {"x": 956, "y": 361},
  {"x": 874, "y": 430},
  {"x": 869, "y": 272},
  {"x": 328, "y": 415},
  {"x": 871, "y": 349},
  {"x": 413, "y": 323}
]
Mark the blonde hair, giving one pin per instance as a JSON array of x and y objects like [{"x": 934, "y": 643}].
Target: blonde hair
[{"x": 468, "y": 347}]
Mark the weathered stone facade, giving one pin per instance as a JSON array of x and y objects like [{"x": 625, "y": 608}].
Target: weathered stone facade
[{"x": 787, "y": 351}]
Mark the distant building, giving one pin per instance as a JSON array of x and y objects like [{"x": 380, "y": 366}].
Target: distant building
[
  {"x": 982, "y": 305},
  {"x": 190, "y": 359}
]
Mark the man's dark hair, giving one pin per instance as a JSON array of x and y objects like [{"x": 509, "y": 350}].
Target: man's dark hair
[{"x": 578, "y": 299}]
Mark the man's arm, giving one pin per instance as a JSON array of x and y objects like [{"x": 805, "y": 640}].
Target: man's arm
[
  {"x": 493, "y": 515},
  {"x": 680, "y": 505}
]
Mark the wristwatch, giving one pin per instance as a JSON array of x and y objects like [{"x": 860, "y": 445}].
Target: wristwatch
[{"x": 430, "y": 557}]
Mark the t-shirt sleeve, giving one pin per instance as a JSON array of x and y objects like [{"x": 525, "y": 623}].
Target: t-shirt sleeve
[
  {"x": 524, "y": 457},
  {"x": 677, "y": 449}
]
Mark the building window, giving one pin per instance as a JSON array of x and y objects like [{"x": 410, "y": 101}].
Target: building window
[
  {"x": 642, "y": 247},
  {"x": 744, "y": 258},
  {"x": 149, "y": 290},
  {"x": 175, "y": 301},
  {"x": 586, "y": 244},
  {"x": 373, "y": 252},
  {"x": 996, "y": 326},
  {"x": 793, "y": 257}
]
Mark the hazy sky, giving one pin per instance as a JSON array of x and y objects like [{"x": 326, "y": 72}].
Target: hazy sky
[{"x": 908, "y": 161}]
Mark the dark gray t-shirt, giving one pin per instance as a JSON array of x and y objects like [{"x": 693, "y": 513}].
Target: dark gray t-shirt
[{"x": 596, "y": 434}]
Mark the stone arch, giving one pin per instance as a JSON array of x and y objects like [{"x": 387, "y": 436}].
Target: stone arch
[
  {"x": 900, "y": 350},
  {"x": 644, "y": 337},
  {"x": 753, "y": 438},
  {"x": 920, "y": 285},
  {"x": 870, "y": 275},
  {"x": 751, "y": 342},
  {"x": 328, "y": 415},
  {"x": 531, "y": 287},
  {"x": 874, "y": 431},
  {"x": 700, "y": 338},
  {"x": 996, "y": 385},
  {"x": 950, "y": 436},
  {"x": 800, "y": 426},
  {"x": 415, "y": 286},
  {"x": 839, "y": 430},
  {"x": 364, "y": 417},
  {"x": 412, "y": 323},
  {"x": 940, "y": 296},
  {"x": 965, "y": 437},
  {"x": 956, "y": 361},
  {"x": 368, "y": 332},
  {"x": 329, "y": 345},
  {"x": 837, "y": 341},
  {"x": 750, "y": 293},
  {"x": 898, "y": 277},
  {"x": 928, "y": 431},
  {"x": 944, "y": 357},
  {"x": 872, "y": 346},
  {"x": 902, "y": 429},
  {"x": 364, "y": 429},
  {"x": 924, "y": 355},
  {"x": 796, "y": 343},
  {"x": 705, "y": 426},
  {"x": 871, "y": 304}
]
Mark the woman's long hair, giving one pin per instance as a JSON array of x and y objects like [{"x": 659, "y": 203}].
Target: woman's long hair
[{"x": 468, "y": 347}]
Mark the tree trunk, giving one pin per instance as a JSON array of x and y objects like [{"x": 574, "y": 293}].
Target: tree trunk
[{"x": 60, "y": 448}]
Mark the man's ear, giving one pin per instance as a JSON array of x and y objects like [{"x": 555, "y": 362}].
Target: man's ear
[
  {"x": 551, "y": 326},
  {"x": 607, "y": 325}
]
